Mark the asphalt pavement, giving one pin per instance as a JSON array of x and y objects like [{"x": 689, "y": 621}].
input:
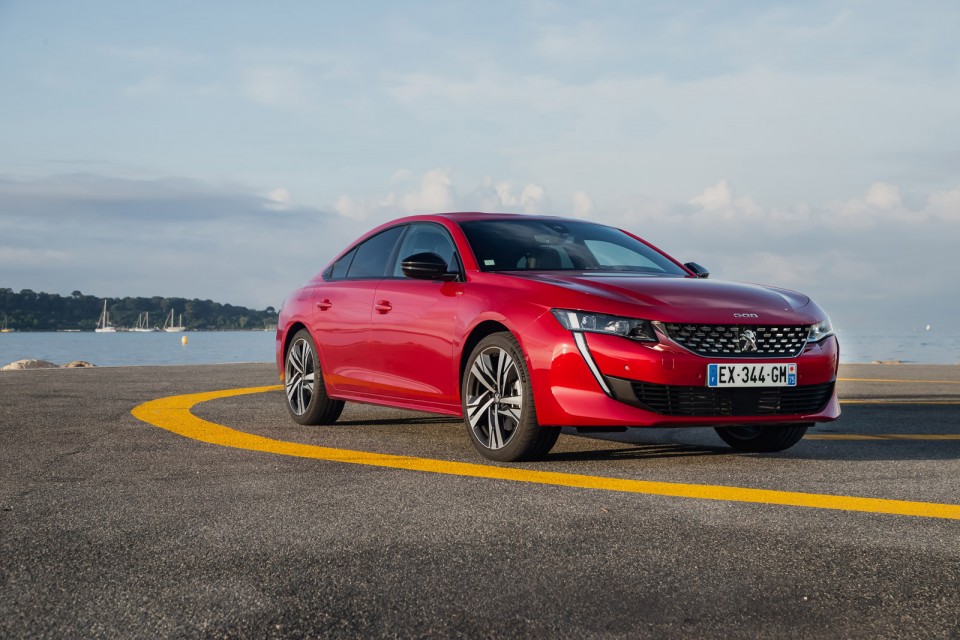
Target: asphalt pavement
[{"x": 113, "y": 527}]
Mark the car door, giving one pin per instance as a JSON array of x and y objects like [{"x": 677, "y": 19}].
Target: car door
[
  {"x": 343, "y": 305},
  {"x": 415, "y": 326}
]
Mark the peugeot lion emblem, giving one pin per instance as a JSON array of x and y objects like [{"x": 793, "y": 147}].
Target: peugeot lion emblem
[{"x": 748, "y": 340}]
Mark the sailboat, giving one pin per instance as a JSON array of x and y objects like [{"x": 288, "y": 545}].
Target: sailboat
[
  {"x": 103, "y": 324},
  {"x": 5, "y": 328},
  {"x": 170, "y": 327},
  {"x": 143, "y": 324}
]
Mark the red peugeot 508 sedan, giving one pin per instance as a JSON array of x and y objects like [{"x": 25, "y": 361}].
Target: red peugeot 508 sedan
[{"x": 524, "y": 324}]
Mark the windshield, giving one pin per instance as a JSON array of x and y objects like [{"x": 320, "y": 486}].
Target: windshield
[{"x": 561, "y": 245}]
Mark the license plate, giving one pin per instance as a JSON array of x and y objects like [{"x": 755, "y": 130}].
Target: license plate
[{"x": 752, "y": 375}]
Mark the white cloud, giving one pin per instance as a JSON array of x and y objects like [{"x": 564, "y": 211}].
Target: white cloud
[
  {"x": 769, "y": 267},
  {"x": 279, "y": 199},
  {"x": 945, "y": 205},
  {"x": 882, "y": 196},
  {"x": 782, "y": 132},
  {"x": 276, "y": 86},
  {"x": 720, "y": 203},
  {"x": 154, "y": 56},
  {"x": 400, "y": 176},
  {"x": 716, "y": 197},
  {"x": 880, "y": 205},
  {"x": 504, "y": 197},
  {"x": 578, "y": 42},
  {"x": 350, "y": 208},
  {"x": 149, "y": 86},
  {"x": 582, "y": 204},
  {"x": 436, "y": 193},
  {"x": 531, "y": 198},
  {"x": 32, "y": 257},
  {"x": 192, "y": 238},
  {"x": 860, "y": 273}
]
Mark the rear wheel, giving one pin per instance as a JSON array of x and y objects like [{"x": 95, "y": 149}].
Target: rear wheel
[
  {"x": 498, "y": 407},
  {"x": 307, "y": 399},
  {"x": 762, "y": 438}
]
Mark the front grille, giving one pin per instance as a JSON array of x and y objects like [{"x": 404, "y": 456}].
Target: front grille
[
  {"x": 737, "y": 341},
  {"x": 671, "y": 400}
]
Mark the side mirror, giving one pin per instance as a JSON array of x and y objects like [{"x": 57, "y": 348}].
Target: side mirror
[
  {"x": 425, "y": 266},
  {"x": 700, "y": 272}
]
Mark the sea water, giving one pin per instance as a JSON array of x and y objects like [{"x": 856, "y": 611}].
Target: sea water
[
  {"x": 129, "y": 348},
  {"x": 219, "y": 347},
  {"x": 920, "y": 347}
]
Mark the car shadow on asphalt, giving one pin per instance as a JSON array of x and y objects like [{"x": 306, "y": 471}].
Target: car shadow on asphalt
[
  {"x": 639, "y": 452},
  {"x": 642, "y": 443},
  {"x": 417, "y": 421},
  {"x": 822, "y": 450},
  {"x": 877, "y": 450}
]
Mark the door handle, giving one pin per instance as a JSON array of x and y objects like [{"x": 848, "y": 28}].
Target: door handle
[
  {"x": 383, "y": 306},
  {"x": 324, "y": 304}
]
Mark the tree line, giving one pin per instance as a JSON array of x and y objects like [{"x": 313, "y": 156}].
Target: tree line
[{"x": 33, "y": 311}]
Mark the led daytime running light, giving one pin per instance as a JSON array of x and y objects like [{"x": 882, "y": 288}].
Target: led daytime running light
[{"x": 583, "y": 321}]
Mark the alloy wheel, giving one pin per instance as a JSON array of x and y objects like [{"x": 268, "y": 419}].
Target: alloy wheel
[
  {"x": 300, "y": 375},
  {"x": 494, "y": 399}
]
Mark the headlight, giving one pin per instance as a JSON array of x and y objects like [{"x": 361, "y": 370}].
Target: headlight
[
  {"x": 639, "y": 330},
  {"x": 820, "y": 331}
]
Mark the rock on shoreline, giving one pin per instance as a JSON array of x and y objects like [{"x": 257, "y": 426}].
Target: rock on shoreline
[{"x": 43, "y": 364}]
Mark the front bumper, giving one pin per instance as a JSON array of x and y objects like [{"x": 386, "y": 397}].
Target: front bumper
[{"x": 607, "y": 380}]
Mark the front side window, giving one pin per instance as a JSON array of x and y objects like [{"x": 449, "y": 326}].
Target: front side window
[
  {"x": 426, "y": 238},
  {"x": 374, "y": 254},
  {"x": 554, "y": 245}
]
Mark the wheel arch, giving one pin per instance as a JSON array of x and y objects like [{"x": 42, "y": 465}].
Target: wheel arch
[
  {"x": 479, "y": 332},
  {"x": 291, "y": 331}
]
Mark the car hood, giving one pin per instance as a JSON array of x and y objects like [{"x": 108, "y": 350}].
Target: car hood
[{"x": 677, "y": 299}]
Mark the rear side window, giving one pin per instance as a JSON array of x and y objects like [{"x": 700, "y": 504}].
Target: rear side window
[
  {"x": 339, "y": 269},
  {"x": 373, "y": 256}
]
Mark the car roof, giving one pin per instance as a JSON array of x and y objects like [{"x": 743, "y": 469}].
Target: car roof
[{"x": 467, "y": 216}]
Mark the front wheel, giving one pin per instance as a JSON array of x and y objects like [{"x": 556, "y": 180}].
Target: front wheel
[
  {"x": 498, "y": 407},
  {"x": 307, "y": 399},
  {"x": 762, "y": 438}
]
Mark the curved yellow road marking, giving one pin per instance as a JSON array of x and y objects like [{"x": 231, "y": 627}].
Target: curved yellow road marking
[
  {"x": 173, "y": 414},
  {"x": 882, "y": 436}
]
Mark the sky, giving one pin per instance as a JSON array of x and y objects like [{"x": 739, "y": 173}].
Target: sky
[{"x": 228, "y": 150}]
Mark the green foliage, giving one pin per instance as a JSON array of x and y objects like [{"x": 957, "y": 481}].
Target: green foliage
[{"x": 31, "y": 311}]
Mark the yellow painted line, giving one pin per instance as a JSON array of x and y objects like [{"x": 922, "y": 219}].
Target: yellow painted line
[
  {"x": 890, "y": 380},
  {"x": 882, "y": 436},
  {"x": 895, "y": 401},
  {"x": 173, "y": 414}
]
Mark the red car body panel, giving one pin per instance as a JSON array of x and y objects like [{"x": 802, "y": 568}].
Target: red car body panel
[{"x": 402, "y": 342}]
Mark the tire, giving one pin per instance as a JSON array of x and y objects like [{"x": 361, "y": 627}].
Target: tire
[
  {"x": 307, "y": 399},
  {"x": 498, "y": 408},
  {"x": 763, "y": 438}
]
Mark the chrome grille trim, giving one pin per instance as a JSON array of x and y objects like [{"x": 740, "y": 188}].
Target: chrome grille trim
[{"x": 723, "y": 340}]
